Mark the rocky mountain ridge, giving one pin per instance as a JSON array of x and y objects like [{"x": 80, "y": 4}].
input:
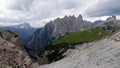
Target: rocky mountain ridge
[
  {"x": 111, "y": 24},
  {"x": 56, "y": 29},
  {"x": 63, "y": 26}
]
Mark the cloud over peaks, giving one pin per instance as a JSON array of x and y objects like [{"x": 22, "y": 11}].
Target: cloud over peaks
[{"x": 104, "y": 8}]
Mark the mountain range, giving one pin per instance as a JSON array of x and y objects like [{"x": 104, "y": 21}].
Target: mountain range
[
  {"x": 61, "y": 27},
  {"x": 58, "y": 28},
  {"x": 68, "y": 42},
  {"x": 25, "y": 30},
  {"x": 100, "y": 53}
]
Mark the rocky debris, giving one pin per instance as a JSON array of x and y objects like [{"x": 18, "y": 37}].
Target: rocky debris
[
  {"x": 12, "y": 54},
  {"x": 104, "y": 53}
]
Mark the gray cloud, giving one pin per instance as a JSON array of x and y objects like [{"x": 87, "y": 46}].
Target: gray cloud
[
  {"x": 38, "y": 11},
  {"x": 8, "y": 20},
  {"x": 20, "y": 4},
  {"x": 71, "y": 4},
  {"x": 43, "y": 9},
  {"x": 104, "y": 8}
]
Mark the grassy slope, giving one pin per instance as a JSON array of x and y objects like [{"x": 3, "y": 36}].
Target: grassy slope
[{"x": 80, "y": 37}]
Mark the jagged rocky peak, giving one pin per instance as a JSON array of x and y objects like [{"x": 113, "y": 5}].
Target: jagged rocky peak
[
  {"x": 73, "y": 16},
  {"x": 66, "y": 17},
  {"x": 12, "y": 53},
  {"x": 111, "y": 18},
  {"x": 114, "y": 17},
  {"x": 80, "y": 17},
  {"x": 56, "y": 29},
  {"x": 79, "y": 20}
]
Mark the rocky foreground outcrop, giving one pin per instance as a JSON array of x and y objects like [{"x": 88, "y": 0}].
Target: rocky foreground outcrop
[
  {"x": 104, "y": 53},
  {"x": 12, "y": 54}
]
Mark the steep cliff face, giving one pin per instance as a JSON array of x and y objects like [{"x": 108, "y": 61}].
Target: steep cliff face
[
  {"x": 12, "y": 54},
  {"x": 56, "y": 29}
]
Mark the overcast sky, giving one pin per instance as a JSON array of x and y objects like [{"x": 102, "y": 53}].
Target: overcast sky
[{"x": 39, "y": 12}]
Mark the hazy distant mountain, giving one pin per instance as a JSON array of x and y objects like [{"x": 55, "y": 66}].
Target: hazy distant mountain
[
  {"x": 24, "y": 25},
  {"x": 25, "y": 30},
  {"x": 97, "y": 22},
  {"x": 56, "y": 29}
]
